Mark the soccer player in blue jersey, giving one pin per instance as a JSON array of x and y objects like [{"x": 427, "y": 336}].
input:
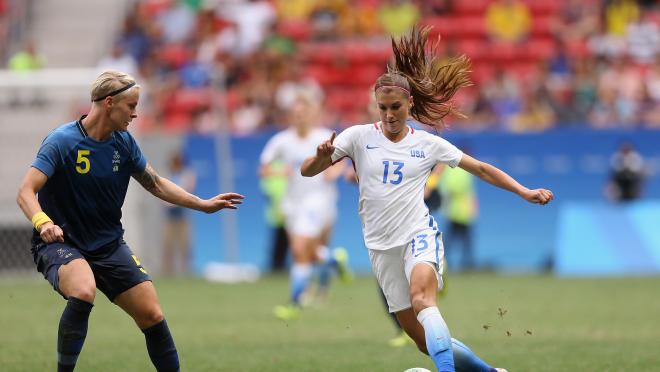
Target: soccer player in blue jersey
[{"x": 81, "y": 175}]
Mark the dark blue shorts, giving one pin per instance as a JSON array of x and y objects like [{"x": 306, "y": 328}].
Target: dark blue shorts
[{"x": 115, "y": 267}]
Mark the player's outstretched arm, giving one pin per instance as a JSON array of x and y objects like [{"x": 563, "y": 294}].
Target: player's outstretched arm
[
  {"x": 499, "y": 178},
  {"x": 33, "y": 181},
  {"x": 170, "y": 192},
  {"x": 321, "y": 161}
]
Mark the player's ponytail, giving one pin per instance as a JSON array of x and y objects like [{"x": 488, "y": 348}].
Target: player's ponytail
[{"x": 432, "y": 84}]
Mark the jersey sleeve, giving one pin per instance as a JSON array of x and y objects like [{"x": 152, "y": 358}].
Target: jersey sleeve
[
  {"x": 345, "y": 144},
  {"x": 270, "y": 153},
  {"x": 49, "y": 156},
  {"x": 138, "y": 159},
  {"x": 446, "y": 153}
]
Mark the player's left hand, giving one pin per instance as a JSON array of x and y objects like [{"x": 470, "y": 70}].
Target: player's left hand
[
  {"x": 223, "y": 201},
  {"x": 538, "y": 196}
]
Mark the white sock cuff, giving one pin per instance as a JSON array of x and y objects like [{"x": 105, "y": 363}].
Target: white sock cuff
[
  {"x": 301, "y": 269},
  {"x": 429, "y": 311},
  {"x": 323, "y": 253}
]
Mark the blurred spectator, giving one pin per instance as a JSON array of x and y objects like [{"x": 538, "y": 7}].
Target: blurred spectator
[
  {"x": 577, "y": 20},
  {"x": 176, "y": 233},
  {"x": 534, "y": 115},
  {"x": 253, "y": 19},
  {"x": 508, "y": 20},
  {"x": 327, "y": 20},
  {"x": 398, "y": 16},
  {"x": 503, "y": 92},
  {"x": 624, "y": 80},
  {"x": 295, "y": 83},
  {"x": 119, "y": 60},
  {"x": 27, "y": 59},
  {"x": 618, "y": 15},
  {"x": 643, "y": 39},
  {"x": 627, "y": 174},
  {"x": 177, "y": 22}
]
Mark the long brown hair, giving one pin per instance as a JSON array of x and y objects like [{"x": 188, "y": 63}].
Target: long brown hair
[{"x": 431, "y": 83}]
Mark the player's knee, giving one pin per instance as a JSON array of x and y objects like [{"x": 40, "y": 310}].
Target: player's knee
[
  {"x": 150, "y": 317},
  {"x": 85, "y": 292},
  {"x": 420, "y": 299}
]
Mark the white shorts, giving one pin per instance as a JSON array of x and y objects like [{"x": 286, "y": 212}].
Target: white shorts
[
  {"x": 309, "y": 216},
  {"x": 394, "y": 266}
]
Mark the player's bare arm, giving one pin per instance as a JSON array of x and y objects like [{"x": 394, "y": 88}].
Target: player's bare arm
[
  {"x": 499, "y": 178},
  {"x": 33, "y": 181},
  {"x": 321, "y": 161},
  {"x": 170, "y": 192}
]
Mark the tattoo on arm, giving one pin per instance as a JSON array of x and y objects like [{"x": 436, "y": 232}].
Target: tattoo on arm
[{"x": 147, "y": 178}]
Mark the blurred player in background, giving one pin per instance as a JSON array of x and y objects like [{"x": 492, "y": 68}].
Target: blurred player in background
[
  {"x": 81, "y": 175},
  {"x": 176, "y": 232},
  {"x": 627, "y": 174},
  {"x": 393, "y": 162},
  {"x": 309, "y": 206}
]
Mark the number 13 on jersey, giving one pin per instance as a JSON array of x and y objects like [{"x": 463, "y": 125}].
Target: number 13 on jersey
[{"x": 397, "y": 176}]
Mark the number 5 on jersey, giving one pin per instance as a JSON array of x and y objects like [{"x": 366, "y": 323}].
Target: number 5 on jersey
[
  {"x": 82, "y": 162},
  {"x": 397, "y": 175}
]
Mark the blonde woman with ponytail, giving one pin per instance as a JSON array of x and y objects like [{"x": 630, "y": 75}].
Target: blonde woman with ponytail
[{"x": 393, "y": 162}]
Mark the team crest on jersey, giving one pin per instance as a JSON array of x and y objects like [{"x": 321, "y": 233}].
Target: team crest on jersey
[
  {"x": 116, "y": 160},
  {"x": 417, "y": 154}
]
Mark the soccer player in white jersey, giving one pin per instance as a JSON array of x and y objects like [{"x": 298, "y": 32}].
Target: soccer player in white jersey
[
  {"x": 392, "y": 163},
  {"x": 309, "y": 205}
]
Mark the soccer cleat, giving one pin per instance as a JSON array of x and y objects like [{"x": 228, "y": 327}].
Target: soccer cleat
[
  {"x": 401, "y": 340},
  {"x": 340, "y": 255},
  {"x": 501, "y": 370},
  {"x": 286, "y": 312}
]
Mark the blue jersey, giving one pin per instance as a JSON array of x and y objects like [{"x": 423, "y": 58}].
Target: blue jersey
[{"x": 87, "y": 183}]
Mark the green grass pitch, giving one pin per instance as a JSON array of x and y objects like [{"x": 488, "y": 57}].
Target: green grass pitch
[{"x": 552, "y": 324}]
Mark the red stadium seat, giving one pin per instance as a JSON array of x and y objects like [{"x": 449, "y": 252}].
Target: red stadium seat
[
  {"x": 296, "y": 30},
  {"x": 174, "y": 55},
  {"x": 542, "y": 7},
  {"x": 444, "y": 26},
  {"x": 472, "y": 7},
  {"x": 475, "y": 49},
  {"x": 542, "y": 26},
  {"x": 471, "y": 26},
  {"x": 540, "y": 49}
]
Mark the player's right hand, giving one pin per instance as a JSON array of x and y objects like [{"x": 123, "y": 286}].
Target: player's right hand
[
  {"x": 51, "y": 233},
  {"x": 326, "y": 148}
]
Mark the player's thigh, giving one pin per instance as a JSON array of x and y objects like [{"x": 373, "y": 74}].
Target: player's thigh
[
  {"x": 65, "y": 269},
  {"x": 388, "y": 267},
  {"x": 117, "y": 270},
  {"x": 141, "y": 303},
  {"x": 76, "y": 279},
  {"x": 303, "y": 248}
]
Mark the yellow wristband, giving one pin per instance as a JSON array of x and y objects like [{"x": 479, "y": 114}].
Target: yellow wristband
[{"x": 39, "y": 219}]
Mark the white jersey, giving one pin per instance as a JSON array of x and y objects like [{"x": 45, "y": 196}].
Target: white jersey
[
  {"x": 291, "y": 149},
  {"x": 391, "y": 179}
]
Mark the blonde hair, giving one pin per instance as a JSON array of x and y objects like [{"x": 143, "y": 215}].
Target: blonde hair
[
  {"x": 421, "y": 75},
  {"x": 110, "y": 84}
]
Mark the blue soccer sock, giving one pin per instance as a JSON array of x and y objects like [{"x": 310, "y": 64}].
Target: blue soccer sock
[
  {"x": 466, "y": 361},
  {"x": 300, "y": 277},
  {"x": 326, "y": 266},
  {"x": 160, "y": 346},
  {"x": 71, "y": 333},
  {"x": 438, "y": 339}
]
